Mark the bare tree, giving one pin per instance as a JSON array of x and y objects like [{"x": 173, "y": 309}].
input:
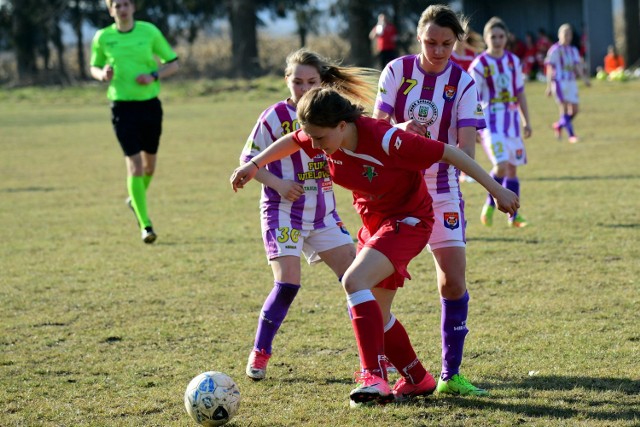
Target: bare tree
[
  {"x": 360, "y": 20},
  {"x": 244, "y": 39}
]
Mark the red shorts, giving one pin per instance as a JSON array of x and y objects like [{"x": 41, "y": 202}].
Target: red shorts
[{"x": 400, "y": 243}]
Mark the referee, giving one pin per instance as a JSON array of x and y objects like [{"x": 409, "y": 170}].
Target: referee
[{"x": 133, "y": 56}]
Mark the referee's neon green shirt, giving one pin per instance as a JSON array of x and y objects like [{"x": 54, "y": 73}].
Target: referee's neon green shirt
[{"x": 131, "y": 54}]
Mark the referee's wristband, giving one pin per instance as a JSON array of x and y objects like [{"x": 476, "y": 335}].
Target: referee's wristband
[
  {"x": 155, "y": 75},
  {"x": 255, "y": 164}
]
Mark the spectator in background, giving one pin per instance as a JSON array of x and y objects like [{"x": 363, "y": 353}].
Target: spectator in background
[
  {"x": 386, "y": 37},
  {"x": 613, "y": 61},
  {"x": 543, "y": 43},
  {"x": 465, "y": 50},
  {"x": 529, "y": 63},
  {"x": 516, "y": 46}
]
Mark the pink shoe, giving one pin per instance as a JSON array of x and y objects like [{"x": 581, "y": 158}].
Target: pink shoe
[
  {"x": 573, "y": 139},
  {"x": 370, "y": 388},
  {"x": 257, "y": 365},
  {"x": 557, "y": 130},
  {"x": 404, "y": 390}
]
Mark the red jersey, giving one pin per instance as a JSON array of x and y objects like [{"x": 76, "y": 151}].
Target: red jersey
[
  {"x": 465, "y": 59},
  {"x": 386, "y": 37},
  {"x": 385, "y": 173}
]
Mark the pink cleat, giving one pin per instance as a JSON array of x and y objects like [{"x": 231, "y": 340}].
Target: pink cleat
[
  {"x": 404, "y": 390},
  {"x": 370, "y": 388},
  {"x": 257, "y": 365},
  {"x": 573, "y": 139}
]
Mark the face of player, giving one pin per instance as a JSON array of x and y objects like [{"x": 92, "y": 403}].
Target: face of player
[
  {"x": 122, "y": 11},
  {"x": 496, "y": 40},
  {"x": 326, "y": 139},
  {"x": 302, "y": 79},
  {"x": 565, "y": 35},
  {"x": 436, "y": 43}
]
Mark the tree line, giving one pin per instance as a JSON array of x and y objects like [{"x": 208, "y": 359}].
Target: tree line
[{"x": 33, "y": 29}]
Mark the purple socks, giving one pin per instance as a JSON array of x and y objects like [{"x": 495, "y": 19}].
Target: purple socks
[
  {"x": 512, "y": 184},
  {"x": 454, "y": 331},
  {"x": 565, "y": 121},
  {"x": 274, "y": 310}
]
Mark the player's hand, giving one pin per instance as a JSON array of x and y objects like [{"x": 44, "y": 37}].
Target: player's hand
[
  {"x": 413, "y": 127},
  {"x": 107, "y": 73},
  {"x": 242, "y": 175},
  {"x": 290, "y": 190},
  {"x": 507, "y": 201},
  {"x": 527, "y": 131},
  {"x": 145, "y": 79}
]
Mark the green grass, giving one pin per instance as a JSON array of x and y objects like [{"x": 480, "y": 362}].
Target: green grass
[{"x": 97, "y": 329}]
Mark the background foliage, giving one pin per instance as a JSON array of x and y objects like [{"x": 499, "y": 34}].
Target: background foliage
[{"x": 33, "y": 30}]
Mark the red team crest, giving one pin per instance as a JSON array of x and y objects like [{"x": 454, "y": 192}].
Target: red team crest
[
  {"x": 449, "y": 92},
  {"x": 451, "y": 220}
]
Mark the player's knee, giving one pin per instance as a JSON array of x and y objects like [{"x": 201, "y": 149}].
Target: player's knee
[{"x": 351, "y": 283}]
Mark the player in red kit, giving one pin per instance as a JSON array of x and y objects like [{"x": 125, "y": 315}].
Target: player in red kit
[{"x": 382, "y": 165}]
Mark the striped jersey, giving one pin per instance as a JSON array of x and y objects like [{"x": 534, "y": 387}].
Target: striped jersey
[
  {"x": 564, "y": 60},
  {"x": 316, "y": 208},
  {"x": 444, "y": 102},
  {"x": 499, "y": 82}
]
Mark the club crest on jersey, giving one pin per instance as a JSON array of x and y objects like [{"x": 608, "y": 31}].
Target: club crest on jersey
[
  {"x": 369, "y": 172},
  {"x": 423, "y": 111},
  {"x": 451, "y": 220},
  {"x": 449, "y": 92},
  {"x": 503, "y": 81}
]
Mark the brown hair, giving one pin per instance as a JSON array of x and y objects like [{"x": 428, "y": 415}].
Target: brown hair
[
  {"x": 492, "y": 23},
  {"x": 359, "y": 84},
  {"x": 443, "y": 16},
  {"x": 110, "y": 2},
  {"x": 326, "y": 107}
]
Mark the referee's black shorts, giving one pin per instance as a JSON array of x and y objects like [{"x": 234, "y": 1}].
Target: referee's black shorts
[{"x": 138, "y": 125}]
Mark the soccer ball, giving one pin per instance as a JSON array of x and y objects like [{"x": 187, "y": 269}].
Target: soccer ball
[{"x": 212, "y": 398}]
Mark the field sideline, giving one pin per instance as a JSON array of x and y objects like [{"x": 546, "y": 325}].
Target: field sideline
[{"x": 98, "y": 329}]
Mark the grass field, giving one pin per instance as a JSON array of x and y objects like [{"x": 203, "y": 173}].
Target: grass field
[{"x": 97, "y": 329}]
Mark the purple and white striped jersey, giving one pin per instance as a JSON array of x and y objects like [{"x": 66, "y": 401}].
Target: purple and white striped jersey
[
  {"x": 444, "y": 102},
  {"x": 564, "y": 60},
  {"x": 316, "y": 208},
  {"x": 499, "y": 82}
]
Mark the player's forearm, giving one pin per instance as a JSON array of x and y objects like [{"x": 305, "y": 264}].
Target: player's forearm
[
  {"x": 168, "y": 69},
  {"x": 456, "y": 157},
  {"x": 524, "y": 109},
  {"x": 266, "y": 178},
  {"x": 97, "y": 73},
  {"x": 283, "y": 147}
]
